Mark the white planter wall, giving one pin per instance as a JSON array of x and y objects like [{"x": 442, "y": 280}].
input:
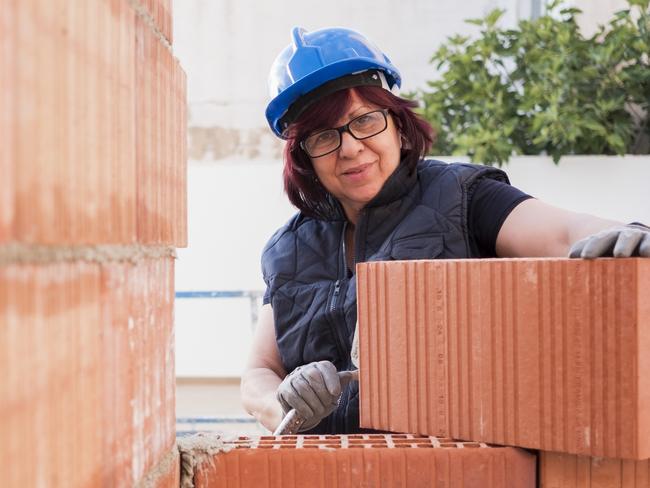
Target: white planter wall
[{"x": 614, "y": 187}]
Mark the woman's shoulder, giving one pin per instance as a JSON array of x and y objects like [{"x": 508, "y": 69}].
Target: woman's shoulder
[{"x": 463, "y": 173}]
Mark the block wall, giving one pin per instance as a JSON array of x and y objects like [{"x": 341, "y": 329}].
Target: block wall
[
  {"x": 92, "y": 205},
  {"x": 546, "y": 353}
]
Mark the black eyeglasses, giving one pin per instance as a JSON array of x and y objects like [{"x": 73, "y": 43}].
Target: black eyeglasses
[{"x": 362, "y": 127}]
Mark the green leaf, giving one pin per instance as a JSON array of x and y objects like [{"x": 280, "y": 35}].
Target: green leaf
[
  {"x": 493, "y": 17},
  {"x": 640, "y": 3},
  {"x": 541, "y": 87}
]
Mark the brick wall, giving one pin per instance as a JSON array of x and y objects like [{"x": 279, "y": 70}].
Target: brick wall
[{"x": 92, "y": 205}]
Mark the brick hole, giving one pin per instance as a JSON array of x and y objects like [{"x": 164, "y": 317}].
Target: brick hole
[
  {"x": 312, "y": 446},
  {"x": 336, "y": 437},
  {"x": 448, "y": 444},
  {"x": 310, "y": 437},
  {"x": 334, "y": 446},
  {"x": 402, "y": 445},
  {"x": 471, "y": 444},
  {"x": 399, "y": 436},
  {"x": 357, "y": 446},
  {"x": 287, "y": 446},
  {"x": 355, "y": 436},
  {"x": 376, "y": 445},
  {"x": 265, "y": 446},
  {"x": 403, "y": 441},
  {"x": 243, "y": 438},
  {"x": 267, "y": 438},
  {"x": 377, "y": 436},
  {"x": 424, "y": 445}
]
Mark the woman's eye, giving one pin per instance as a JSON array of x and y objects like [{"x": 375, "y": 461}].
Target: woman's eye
[
  {"x": 364, "y": 119},
  {"x": 324, "y": 137}
]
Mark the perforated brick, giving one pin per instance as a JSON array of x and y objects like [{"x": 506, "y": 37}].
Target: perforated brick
[
  {"x": 363, "y": 460},
  {"x": 539, "y": 353},
  {"x": 559, "y": 470},
  {"x": 87, "y": 357}
]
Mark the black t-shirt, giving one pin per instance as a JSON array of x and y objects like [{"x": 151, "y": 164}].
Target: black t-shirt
[{"x": 490, "y": 202}]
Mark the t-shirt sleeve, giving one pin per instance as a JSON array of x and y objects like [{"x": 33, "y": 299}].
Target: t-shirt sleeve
[{"x": 490, "y": 203}]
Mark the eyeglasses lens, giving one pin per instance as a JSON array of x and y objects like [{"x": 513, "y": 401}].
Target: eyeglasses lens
[{"x": 361, "y": 127}]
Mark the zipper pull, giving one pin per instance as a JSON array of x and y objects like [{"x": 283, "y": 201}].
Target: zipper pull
[{"x": 337, "y": 289}]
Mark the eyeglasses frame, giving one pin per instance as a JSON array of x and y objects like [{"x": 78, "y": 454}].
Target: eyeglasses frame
[{"x": 346, "y": 128}]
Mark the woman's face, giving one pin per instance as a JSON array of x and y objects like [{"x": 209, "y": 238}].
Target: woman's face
[{"x": 357, "y": 170}]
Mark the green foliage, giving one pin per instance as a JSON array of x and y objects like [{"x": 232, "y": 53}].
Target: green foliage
[{"x": 543, "y": 88}]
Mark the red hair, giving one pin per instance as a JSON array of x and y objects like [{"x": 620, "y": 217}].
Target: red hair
[{"x": 300, "y": 182}]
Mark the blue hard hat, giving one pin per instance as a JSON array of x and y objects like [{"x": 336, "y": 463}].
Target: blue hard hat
[{"x": 315, "y": 58}]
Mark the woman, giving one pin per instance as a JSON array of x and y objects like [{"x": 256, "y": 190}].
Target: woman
[{"x": 354, "y": 169}]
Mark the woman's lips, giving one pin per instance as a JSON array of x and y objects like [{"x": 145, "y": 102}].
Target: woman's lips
[{"x": 358, "y": 172}]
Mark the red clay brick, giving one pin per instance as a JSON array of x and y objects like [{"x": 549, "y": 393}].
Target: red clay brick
[
  {"x": 7, "y": 129},
  {"x": 160, "y": 14},
  {"x": 558, "y": 470},
  {"x": 542, "y": 353},
  {"x": 363, "y": 460},
  {"x": 160, "y": 152},
  {"x": 70, "y": 139},
  {"x": 86, "y": 352},
  {"x": 166, "y": 474}
]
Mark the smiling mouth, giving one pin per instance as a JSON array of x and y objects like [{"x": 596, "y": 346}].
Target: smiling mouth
[{"x": 357, "y": 170}]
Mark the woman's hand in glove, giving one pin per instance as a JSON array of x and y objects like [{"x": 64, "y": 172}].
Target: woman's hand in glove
[
  {"x": 619, "y": 242},
  {"x": 313, "y": 390}
]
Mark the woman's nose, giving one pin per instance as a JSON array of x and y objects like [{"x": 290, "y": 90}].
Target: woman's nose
[{"x": 349, "y": 145}]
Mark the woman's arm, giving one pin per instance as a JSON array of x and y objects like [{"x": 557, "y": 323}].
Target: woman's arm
[
  {"x": 263, "y": 373},
  {"x": 535, "y": 228}
]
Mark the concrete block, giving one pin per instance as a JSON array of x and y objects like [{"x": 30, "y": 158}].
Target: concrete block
[
  {"x": 359, "y": 460},
  {"x": 538, "y": 353}
]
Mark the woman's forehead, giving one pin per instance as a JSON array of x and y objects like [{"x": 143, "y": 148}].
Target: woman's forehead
[{"x": 356, "y": 106}]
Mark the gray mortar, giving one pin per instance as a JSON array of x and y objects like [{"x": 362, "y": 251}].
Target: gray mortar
[
  {"x": 14, "y": 253},
  {"x": 162, "y": 469},
  {"x": 149, "y": 21},
  {"x": 199, "y": 449}
]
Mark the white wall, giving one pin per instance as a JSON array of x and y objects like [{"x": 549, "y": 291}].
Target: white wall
[{"x": 235, "y": 195}]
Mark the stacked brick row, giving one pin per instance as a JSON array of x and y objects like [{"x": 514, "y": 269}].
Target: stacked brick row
[
  {"x": 92, "y": 204},
  {"x": 547, "y": 354},
  {"x": 350, "y": 461}
]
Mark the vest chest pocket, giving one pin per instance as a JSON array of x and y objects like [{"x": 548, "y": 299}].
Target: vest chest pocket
[{"x": 427, "y": 246}]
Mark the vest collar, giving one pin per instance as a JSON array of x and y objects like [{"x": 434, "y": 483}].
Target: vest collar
[{"x": 398, "y": 184}]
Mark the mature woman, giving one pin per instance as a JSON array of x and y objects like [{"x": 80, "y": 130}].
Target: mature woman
[{"x": 354, "y": 167}]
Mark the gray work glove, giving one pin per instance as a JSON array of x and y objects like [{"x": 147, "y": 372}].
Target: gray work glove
[
  {"x": 313, "y": 390},
  {"x": 620, "y": 242}
]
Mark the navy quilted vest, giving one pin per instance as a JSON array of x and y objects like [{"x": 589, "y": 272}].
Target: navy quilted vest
[{"x": 422, "y": 215}]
